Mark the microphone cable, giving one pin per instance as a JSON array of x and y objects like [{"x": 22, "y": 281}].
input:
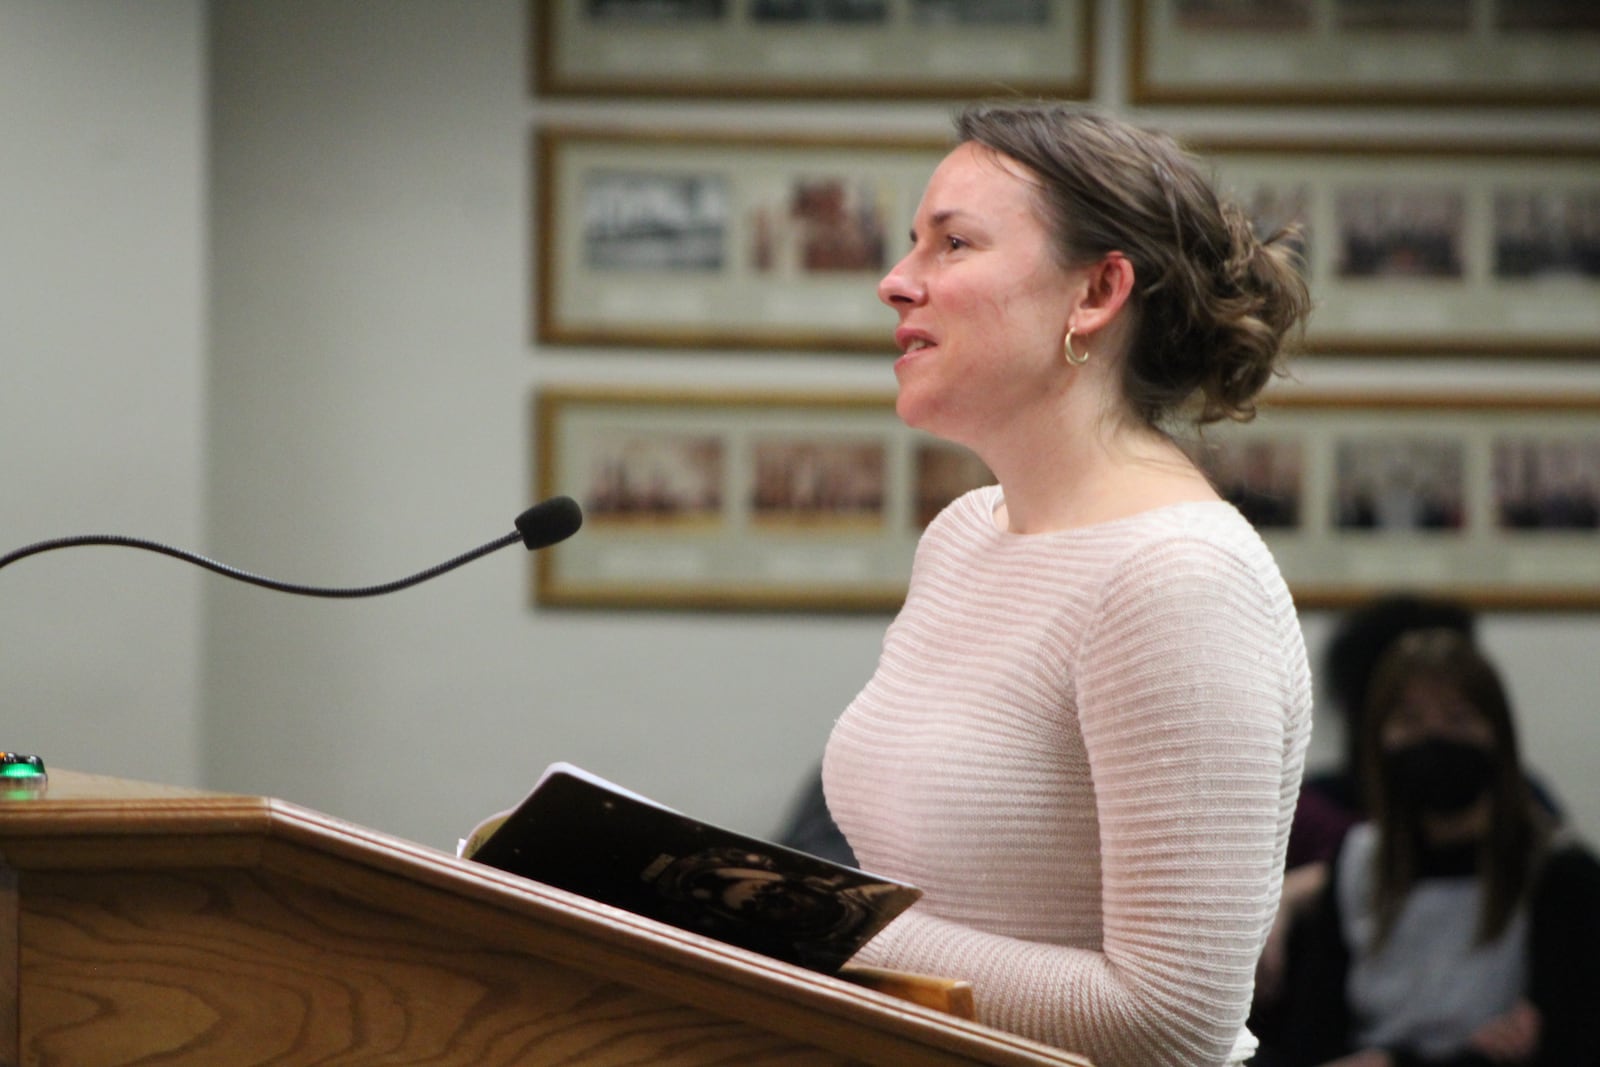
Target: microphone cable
[{"x": 540, "y": 526}]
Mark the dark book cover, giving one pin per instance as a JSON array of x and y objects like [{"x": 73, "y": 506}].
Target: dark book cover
[{"x": 579, "y": 832}]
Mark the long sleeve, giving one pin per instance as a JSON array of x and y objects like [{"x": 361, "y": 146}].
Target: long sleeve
[{"x": 1087, "y": 751}]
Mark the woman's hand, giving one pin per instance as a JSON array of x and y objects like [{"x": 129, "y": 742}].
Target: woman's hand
[{"x": 1509, "y": 1038}]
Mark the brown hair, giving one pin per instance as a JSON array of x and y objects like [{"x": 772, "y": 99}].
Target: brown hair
[
  {"x": 1505, "y": 861},
  {"x": 1214, "y": 303}
]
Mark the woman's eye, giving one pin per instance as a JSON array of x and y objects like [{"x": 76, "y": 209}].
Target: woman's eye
[{"x": 954, "y": 243}]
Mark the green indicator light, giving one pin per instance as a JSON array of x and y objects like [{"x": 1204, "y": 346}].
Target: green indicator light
[{"x": 17, "y": 765}]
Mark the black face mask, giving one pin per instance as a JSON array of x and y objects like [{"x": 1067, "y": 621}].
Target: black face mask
[{"x": 1438, "y": 775}]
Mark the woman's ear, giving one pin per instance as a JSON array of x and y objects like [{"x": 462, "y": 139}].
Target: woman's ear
[{"x": 1107, "y": 286}]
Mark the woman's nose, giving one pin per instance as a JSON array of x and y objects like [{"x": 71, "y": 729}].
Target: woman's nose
[{"x": 899, "y": 287}]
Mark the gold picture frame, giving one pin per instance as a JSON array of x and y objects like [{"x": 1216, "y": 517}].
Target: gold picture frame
[
  {"x": 726, "y": 499},
  {"x": 915, "y": 49},
  {"x": 1364, "y": 53},
  {"x": 1492, "y": 499},
  {"x": 677, "y": 239},
  {"x": 1434, "y": 249}
]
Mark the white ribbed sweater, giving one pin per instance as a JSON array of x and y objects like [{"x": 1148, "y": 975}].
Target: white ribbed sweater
[{"x": 1086, "y": 747}]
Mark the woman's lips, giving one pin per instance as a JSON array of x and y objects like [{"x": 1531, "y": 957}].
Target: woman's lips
[{"x": 909, "y": 340}]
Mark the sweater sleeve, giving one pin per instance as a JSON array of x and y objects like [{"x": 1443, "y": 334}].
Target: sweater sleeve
[{"x": 1186, "y": 684}]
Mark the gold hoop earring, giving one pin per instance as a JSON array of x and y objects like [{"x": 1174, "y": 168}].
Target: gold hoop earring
[{"x": 1072, "y": 357}]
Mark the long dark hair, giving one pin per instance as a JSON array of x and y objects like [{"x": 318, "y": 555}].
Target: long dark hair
[{"x": 1507, "y": 852}]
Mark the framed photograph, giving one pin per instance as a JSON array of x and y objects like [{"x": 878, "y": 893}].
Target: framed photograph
[
  {"x": 1444, "y": 250},
  {"x": 693, "y": 240},
  {"x": 759, "y": 501},
  {"x": 1365, "y": 52},
  {"x": 812, "y": 48},
  {"x": 721, "y": 242},
  {"x": 1495, "y": 500}
]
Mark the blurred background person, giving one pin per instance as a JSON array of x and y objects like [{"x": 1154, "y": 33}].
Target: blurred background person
[
  {"x": 1459, "y": 925},
  {"x": 1333, "y": 800}
]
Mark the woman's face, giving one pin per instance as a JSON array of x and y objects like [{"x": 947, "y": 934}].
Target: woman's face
[
  {"x": 1429, "y": 709},
  {"x": 983, "y": 303}
]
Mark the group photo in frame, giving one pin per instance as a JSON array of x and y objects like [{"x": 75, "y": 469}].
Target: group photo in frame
[
  {"x": 1494, "y": 500},
  {"x": 726, "y": 499},
  {"x": 721, "y": 241},
  {"x": 677, "y": 239},
  {"x": 773, "y": 500},
  {"x": 1447, "y": 249},
  {"x": 1495, "y": 53},
  {"x": 812, "y": 49}
]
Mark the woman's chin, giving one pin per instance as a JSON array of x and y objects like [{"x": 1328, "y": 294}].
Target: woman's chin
[
  {"x": 921, "y": 413},
  {"x": 911, "y": 411}
]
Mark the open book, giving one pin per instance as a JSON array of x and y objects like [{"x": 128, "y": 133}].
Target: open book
[{"x": 579, "y": 832}]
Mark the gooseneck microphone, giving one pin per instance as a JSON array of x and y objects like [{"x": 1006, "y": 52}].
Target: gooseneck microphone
[{"x": 541, "y": 526}]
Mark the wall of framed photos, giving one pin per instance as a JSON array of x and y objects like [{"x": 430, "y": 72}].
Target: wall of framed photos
[
  {"x": 679, "y": 237},
  {"x": 374, "y": 365}
]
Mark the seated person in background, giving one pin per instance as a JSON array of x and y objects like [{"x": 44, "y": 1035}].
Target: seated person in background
[
  {"x": 1334, "y": 800},
  {"x": 1457, "y": 926}
]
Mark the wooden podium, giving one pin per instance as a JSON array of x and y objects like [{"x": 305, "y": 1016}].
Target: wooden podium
[{"x": 143, "y": 923}]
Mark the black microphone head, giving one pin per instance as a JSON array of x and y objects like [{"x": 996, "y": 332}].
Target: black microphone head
[{"x": 550, "y": 521}]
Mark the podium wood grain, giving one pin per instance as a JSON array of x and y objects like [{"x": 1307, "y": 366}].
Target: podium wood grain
[{"x": 146, "y": 924}]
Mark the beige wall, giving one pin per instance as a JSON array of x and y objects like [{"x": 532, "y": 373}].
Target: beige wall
[
  {"x": 350, "y": 386},
  {"x": 102, "y": 378}
]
